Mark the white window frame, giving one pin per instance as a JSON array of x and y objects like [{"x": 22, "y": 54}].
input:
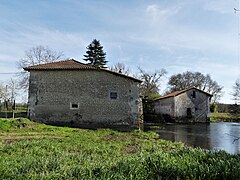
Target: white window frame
[{"x": 74, "y": 108}]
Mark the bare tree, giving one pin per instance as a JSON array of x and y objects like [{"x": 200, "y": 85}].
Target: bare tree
[
  {"x": 236, "y": 91},
  {"x": 4, "y": 96},
  {"x": 8, "y": 92},
  {"x": 151, "y": 82},
  {"x": 12, "y": 89},
  {"x": 120, "y": 68},
  {"x": 3, "y": 92},
  {"x": 36, "y": 55}
]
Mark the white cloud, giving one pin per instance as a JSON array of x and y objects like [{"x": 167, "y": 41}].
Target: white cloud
[
  {"x": 14, "y": 44},
  {"x": 169, "y": 38},
  {"x": 25, "y": 38},
  {"x": 221, "y": 6},
  {"x": 159, "y": 14}
]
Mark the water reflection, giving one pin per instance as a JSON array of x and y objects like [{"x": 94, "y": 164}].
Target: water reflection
[{"x": 209, "y": 136}]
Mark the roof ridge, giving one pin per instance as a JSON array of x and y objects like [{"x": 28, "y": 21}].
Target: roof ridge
[
  {"x": 176, "y": 93},
  {"x": 72, "y": 64},
  {"x": 75, "y": 60},
  {"x": 72, "y": 59},
  {"x": 69, "y": 59},
  {"x": 50, "y": 62}
]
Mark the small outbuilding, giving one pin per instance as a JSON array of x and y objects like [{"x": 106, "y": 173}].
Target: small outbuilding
[
  {"x": 188, "y": 105},
  {"x": 76, "y": 94}
]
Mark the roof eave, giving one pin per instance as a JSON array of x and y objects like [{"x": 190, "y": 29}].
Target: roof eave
[
  {"x": 77, "y": 69},
  {"x": 183, "y": 91}
]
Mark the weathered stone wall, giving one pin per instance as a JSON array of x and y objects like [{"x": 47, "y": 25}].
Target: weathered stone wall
[
  {"x": 164, "y": 106},
  {"x": 54, "y": 95},
  {"x": 177, "y": 107},
  {"x": 198, "y": 106}
]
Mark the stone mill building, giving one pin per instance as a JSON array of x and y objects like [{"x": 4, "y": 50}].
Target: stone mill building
[
  {"x": 76, "y": 94},
  {"x": 188, "y": 105}
]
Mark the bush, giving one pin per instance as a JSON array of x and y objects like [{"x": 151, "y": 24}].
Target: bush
[{"x": 213, "y": 107}]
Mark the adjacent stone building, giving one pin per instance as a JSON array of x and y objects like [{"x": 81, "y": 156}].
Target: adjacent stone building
[
  {"x": 189, "y": 105},
  {"x": 72, "y": 93}
]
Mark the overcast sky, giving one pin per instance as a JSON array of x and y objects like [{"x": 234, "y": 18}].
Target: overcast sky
[{"x": 178, "y": 35}]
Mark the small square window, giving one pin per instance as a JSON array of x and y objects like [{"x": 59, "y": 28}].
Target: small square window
[
  {"x": 113, "y": 95},
  {"x": 74, "y": 105}
]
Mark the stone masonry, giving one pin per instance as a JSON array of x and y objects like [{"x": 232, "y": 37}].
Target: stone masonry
[
  {"x": 83, "y": 97},
  {"x": 189, "y": 105}
]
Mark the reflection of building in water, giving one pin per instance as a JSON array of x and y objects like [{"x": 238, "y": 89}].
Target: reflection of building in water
[
  {"x": 193, "y": 135},
  {"x": 208, "y": 136}
]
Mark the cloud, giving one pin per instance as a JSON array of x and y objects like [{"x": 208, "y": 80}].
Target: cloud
[
  {"x": 170, "y": 28},
  {"x": 14, "y": 43},
  {"x": 25, "y": 37},
  {"x": 222, "y": 72},
  {"x": 220, "y": 6},
  {"x": 159, "y": 14},
  {"x": 169, "y": 37}
]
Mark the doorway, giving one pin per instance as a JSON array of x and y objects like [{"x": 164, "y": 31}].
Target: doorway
[{"x": 189, "y": 112}]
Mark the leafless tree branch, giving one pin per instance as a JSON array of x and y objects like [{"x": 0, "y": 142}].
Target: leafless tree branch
[{"x": 36, "y": 55}]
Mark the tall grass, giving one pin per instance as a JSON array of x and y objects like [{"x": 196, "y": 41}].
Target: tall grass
[
  {"x": 34, "y": 151},
  {"x": 224, "y": 117}
]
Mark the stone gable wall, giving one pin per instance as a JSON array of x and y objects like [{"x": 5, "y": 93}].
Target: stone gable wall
[
  {"x": 164, "y": 106},
  {"x": 198, "y": 105},
  {"x": 54, "y": 95}
]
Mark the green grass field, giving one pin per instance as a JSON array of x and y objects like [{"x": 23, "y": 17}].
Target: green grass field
[
  {"x": 224, "y": 117},
  {"x": 30, "y": 150}
]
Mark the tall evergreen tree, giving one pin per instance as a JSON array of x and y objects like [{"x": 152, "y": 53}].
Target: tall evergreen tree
[{"x": 95, "y": 54}]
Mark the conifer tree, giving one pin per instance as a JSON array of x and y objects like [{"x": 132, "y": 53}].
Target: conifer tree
[{"x": 95, "y": 54}]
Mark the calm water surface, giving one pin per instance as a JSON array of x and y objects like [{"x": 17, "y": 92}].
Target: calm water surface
[{"x": 214, "y": 136}]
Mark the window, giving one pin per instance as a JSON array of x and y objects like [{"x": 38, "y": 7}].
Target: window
[
  {"x": 74, "y": 105},
  {"x": 113, "y": 95},
  {"x": 194, "y": 94}
]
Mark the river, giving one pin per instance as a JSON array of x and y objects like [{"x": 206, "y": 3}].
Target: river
[{"x": 213, "y": 136}]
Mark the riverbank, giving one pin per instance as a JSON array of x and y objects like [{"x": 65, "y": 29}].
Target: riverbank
[
  {"x": 30, "y": 150},
  {"x": 224, "y": 117}
]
